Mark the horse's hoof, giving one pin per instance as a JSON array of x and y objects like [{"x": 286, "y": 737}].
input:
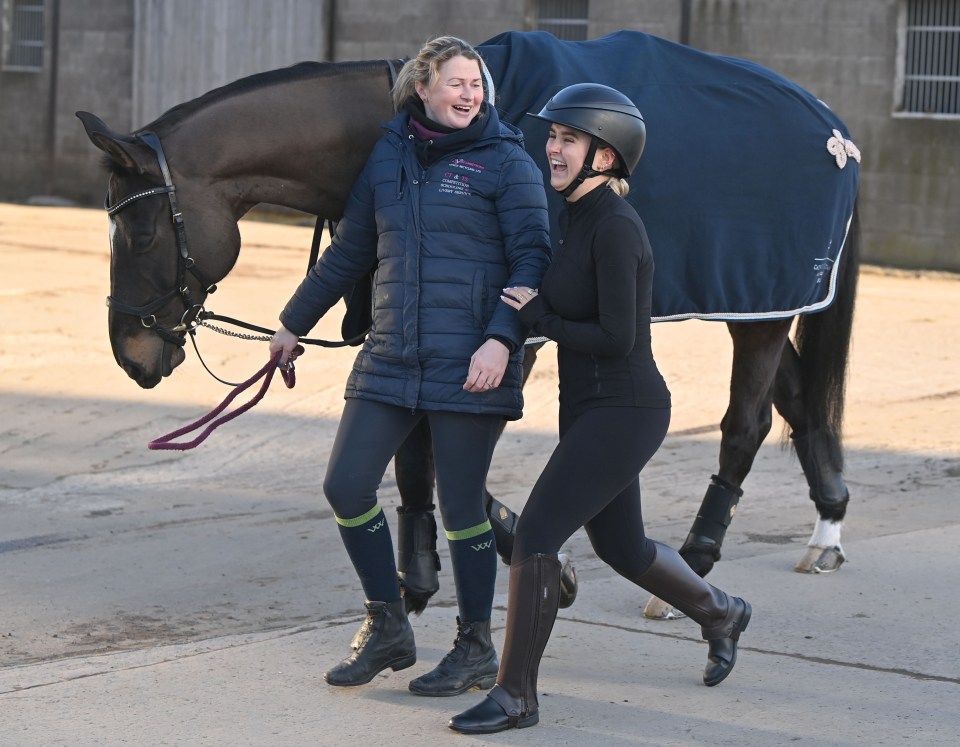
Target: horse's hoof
[
  {"x": 821, "y": 560},
  {"x": 657, "y": 609}
]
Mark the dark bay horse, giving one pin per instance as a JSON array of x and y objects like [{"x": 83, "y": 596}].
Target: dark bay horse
[{"x": 298, "y": 137}]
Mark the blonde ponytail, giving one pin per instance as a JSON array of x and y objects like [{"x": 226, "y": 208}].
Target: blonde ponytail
[{"x": 620, "y": 186}]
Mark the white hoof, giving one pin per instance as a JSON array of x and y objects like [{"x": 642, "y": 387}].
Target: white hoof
[
  {"x": 821, "y": 560},
  {"x": 657, "y": 609}
]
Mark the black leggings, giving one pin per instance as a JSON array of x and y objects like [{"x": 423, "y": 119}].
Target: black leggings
[
  {"x": 592, "y": 480},
  {"x": 368, "y": 437}
]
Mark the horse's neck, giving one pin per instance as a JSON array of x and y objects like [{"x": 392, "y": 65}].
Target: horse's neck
[{"x": 300, "y": 144}]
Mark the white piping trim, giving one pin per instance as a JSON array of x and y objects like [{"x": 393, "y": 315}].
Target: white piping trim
[{"x": 782, "y": 314}]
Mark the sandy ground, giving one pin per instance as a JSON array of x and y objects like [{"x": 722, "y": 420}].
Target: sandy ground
[{"x": 105, "y": 545}]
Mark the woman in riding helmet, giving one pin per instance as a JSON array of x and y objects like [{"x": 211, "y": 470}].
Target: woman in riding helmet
[{"x": 595, "y": 301}]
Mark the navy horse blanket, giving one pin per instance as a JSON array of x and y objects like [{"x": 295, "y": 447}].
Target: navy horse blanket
[{"x": 747, "y": 183}]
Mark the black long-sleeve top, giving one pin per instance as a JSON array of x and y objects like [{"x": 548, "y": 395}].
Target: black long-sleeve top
[{"x": 594, "y": 301}]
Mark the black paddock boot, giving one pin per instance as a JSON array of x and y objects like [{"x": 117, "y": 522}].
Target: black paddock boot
[
  {"x": 532, "y": 603},
  {"x": 721, "y": 617},
  {"x": 472, "y": 663},
  {"x": 504, "y": 523},
  {"x": 418, "y": 563},
  {"x": 385, "y": 641}
]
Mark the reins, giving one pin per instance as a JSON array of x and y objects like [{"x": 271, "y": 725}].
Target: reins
[{"x": 288, "y": 373}]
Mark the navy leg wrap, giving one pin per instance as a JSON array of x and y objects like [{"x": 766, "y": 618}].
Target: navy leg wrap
[
  {"x": 824, "y": 477},
  {"x": 417, "y": 560},
  {"x": 715, "y": 514}
]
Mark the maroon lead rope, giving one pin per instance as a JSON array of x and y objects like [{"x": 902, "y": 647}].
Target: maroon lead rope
[{"x": 289, "y": 378}]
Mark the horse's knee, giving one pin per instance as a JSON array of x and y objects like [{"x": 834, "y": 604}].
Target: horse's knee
[{"x": 742, "y": 435}]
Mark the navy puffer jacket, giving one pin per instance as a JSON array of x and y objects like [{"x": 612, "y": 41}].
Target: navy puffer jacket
[{"x": 445, "y": 239}]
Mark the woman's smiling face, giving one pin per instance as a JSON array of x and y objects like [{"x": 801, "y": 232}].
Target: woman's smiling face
[
  {"x": 566, "y": 151},
  {"x": 454, "y": 98}
]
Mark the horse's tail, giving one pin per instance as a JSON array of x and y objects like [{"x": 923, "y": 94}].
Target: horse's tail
[{"x": 823, "y": 343}]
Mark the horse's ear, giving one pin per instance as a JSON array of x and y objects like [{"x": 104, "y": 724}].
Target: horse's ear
[{"x": 125, "y": 150}]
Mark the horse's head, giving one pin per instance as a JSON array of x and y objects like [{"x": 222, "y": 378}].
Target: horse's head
[{"x": 171, "y": 239}]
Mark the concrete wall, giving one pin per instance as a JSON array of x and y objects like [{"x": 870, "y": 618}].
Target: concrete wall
[
  {"x": 846, "y": 54},
  {"x": 129, "y": 60},
  {"x": 95, "y": 74},
  {"x": 26, "y": 134},
  {"x": 371, "y": 29},
  {"x": 183, "y": 48}
]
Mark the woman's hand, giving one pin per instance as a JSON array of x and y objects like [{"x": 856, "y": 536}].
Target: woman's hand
[
  {"x": 284, "y": 342},
  {"x": 487, "y": 366},
  {"x": 518, "y": 297}
]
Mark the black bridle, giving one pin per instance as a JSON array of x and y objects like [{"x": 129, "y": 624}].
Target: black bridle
[{"x": 185, "y": 263}]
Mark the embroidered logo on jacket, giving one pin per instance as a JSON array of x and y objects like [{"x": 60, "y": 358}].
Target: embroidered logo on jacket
[{"x": 456, "y": 180}]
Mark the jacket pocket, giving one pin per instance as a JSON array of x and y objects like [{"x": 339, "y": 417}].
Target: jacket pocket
[{"x": 479, "y": 296}]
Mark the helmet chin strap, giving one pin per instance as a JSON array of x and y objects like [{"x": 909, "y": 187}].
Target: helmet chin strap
[{"x": 585, "y": 171}]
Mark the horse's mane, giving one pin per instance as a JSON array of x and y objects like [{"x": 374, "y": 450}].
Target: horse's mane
[
  {"x": 299, "y": 71},
  {"x": 168, "y": 121}
]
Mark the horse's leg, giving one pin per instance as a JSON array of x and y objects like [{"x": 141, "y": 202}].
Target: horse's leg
[
  {"x": 418, "y": 563},
  {"x": 757, "y": 348},
  {"x": 819, "y": 451}
]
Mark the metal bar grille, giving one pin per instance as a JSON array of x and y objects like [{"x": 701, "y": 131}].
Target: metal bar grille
[
  {"x": 932, "y": 57},
  {"x": 26, "y": 38},
  {"x": 565, "y": 19}
]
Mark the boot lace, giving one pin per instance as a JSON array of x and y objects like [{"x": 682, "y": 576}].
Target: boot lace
[
  {"x": 366, "y": 630},
  {"x": 461, "y": 647}
]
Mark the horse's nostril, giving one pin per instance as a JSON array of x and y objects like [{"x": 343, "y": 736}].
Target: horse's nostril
[{"x": 134, "y": 371}]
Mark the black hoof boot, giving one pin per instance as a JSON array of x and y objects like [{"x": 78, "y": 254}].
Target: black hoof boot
[
  {"x": 472, "y": 663},
  {"x": 385, "y": 641},
  {"x": 489, "y": 716},
  {"x": 722, "y": 640},
  {"x": 418, "y": 563}
]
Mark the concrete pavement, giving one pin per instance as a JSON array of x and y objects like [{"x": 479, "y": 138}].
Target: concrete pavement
[
  {"x": 879, "y": 667},
  {"x": 153, "y": 599}
]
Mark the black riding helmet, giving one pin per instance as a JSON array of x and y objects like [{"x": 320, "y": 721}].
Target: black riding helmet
[{"x": 608, "y": 116}]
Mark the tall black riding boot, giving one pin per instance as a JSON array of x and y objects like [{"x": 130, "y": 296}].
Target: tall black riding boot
[
  {"x": 532, "y": 603},
  {"x": 417, "y": 560},
  {"x": 721, "y": 617},
  {"x": 385, "y": 641},
  {"x": 472, "y": 663}
]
